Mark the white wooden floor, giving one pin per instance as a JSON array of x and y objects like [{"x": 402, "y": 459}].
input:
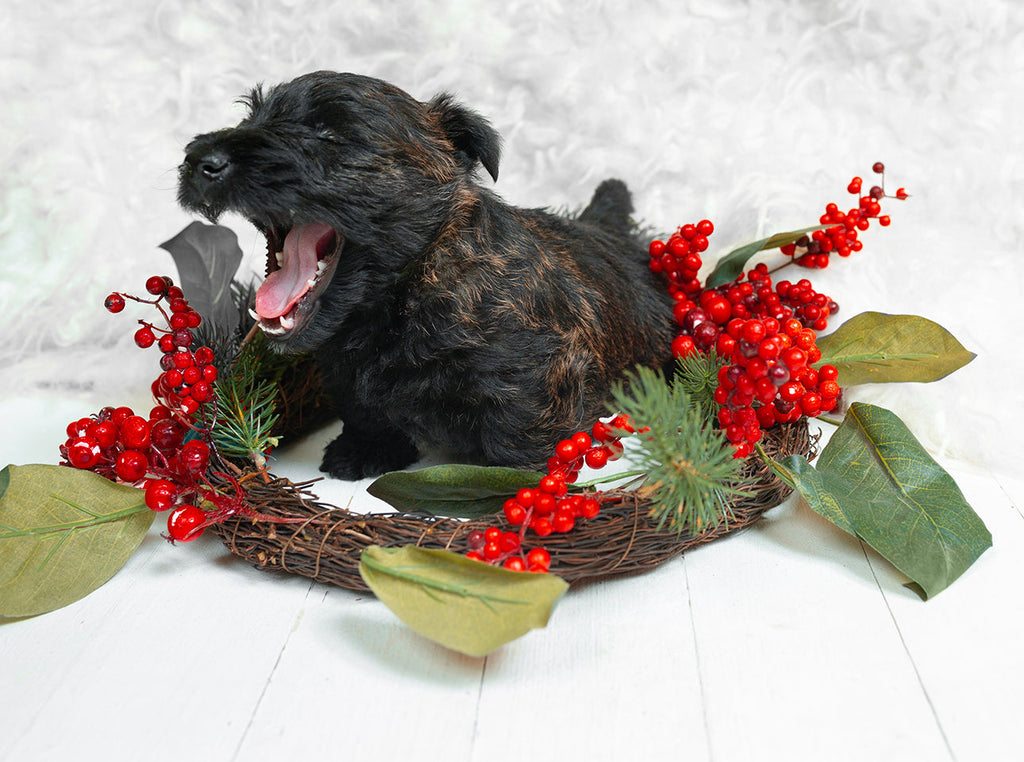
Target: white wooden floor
[{"x": 789, "y": 641}]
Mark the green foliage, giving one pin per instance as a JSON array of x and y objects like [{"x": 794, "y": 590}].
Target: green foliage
[
  {"x": 63, "y": 533},
  {"x": 246, "y": 402},
  {"x": 697, "y": 376},
  {"x": 876, "y": 481},
  {"x": 690, "y": 467},
  {"x": 452, "y": 490},
  {"x": 877, "y": 348},
  {"x": 465, "y": 605}
]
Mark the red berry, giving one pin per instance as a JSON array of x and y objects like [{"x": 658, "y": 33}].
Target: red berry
[
  {"x": 156, "y": 285},
  {"x": 203, "y": 355},
  {"x": 582, "y": 440},
  {"x": 135, "y": 432},
  {"x": 160, "y": 494},
  {"x": 538, "y": 557},
  {"x": 144, "y": 337},
  {"x": 189, "y": 406},
  {"x": 114, "y": 303},
  {"x": 515, "y": 563},
  {"x": 202, "y": 391},
  {"x": 566, "y": 451},
  {"x": 563, "y": 521},
  {"x": 597, "y": 457},
  {"x": 622, "y": 423},
  {"x": 166, "y": 344},
  {"x": 901, "y": 194},
  {"x": 185, "y": 523},
  {"x": 104, "y": 432},
  {"x": 183, "y": 338},
  {"x": 589, "y": 508},
  {"x": 543, "y": 503},
  {"x": 83, "y": 452},
  {"x": 878, "y": 168},
  {"x": 542, "y": 526},
  {"x": 552, "y": 485},
  {"x": 131, "y": 466},
  {"x": 119, "y": 415},
  {"x": 194, "y": 456},
  {"x": 515, "y": 514},
  {"x": 683, "y": 346},
  {"x": 602, "y": 432}
]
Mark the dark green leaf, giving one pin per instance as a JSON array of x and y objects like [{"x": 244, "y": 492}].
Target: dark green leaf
[
  {"x": 63, "y": 533},
  {"x": 465, "y": 605},
  {"x": 875, "y": 348},
  {"x": 454, "y": 490},
  {"x": 207, "y": 258},
  {"x": 875, "y": 480},
  {"x": 732, "y": 264}
]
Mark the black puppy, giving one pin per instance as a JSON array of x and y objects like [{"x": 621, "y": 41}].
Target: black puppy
[{"x": 438, "y": 314}]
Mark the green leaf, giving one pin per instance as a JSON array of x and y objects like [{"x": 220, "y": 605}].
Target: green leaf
[
  {"x": 874, "y": 348},
  {"x": 63, "y": 533},
  {"x": 732, "y": 264},
  {"x": 207, "y": 258},
  {"x": 465, "y": 605},
  {"x": 453, "y": 490},
  {"x": 875, "y": 480}
]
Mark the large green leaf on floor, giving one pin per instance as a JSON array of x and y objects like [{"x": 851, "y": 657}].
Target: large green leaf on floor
[
  {"x": 453, "y": 490},
  {"x": 465, "y": 605},
  {"x": 875, "y": 480},
  {"x": 63, "y": 533},
  {"x": 874, "y": 348}
]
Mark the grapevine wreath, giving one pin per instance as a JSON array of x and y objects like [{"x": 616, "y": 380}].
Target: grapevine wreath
[{"x": 476, "y": 556}]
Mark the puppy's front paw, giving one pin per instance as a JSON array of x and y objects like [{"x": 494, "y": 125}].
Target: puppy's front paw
[{"x": 354, "y": 455}]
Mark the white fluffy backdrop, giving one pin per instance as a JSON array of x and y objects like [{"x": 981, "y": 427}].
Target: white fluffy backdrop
[{"x": 753, "y": 114}]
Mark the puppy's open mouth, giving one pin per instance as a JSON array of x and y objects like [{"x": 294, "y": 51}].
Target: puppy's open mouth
[{"x": 299, "y": 268}]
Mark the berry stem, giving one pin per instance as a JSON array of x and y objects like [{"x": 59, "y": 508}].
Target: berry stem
[{"x": 633, "y": 477}]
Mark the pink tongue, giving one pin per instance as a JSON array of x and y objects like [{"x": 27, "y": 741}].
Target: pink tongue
[{"x": 284, "y": 287}]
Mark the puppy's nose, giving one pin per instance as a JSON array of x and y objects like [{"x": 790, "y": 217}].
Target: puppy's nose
[{"x": 211, "y": 166}]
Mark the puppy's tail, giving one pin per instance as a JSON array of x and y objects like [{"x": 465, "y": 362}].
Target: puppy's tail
[{"x": 610, "y": 207}]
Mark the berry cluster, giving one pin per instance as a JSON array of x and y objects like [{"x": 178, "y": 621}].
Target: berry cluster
[
  {"x": 166, "y": 453},
  {"x": 549, "y": 507},
  {"x": 702, "y": 323},
  {"x": 771, "y": 380},
  {"x": 842, "y": 236},
  {"x": 679, "y": 260}
]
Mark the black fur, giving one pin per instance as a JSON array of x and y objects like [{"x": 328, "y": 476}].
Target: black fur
[{"x": 452, "y": 319}]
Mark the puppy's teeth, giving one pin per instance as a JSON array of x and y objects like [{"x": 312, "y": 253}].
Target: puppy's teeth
[
  {"x": 279, "y": 256},
  {"x": 311, "y": 282},
  {"x": 320, "y": 266},
  {"x": 253, "y": 315},
  {"x": 286, "y": 323}
]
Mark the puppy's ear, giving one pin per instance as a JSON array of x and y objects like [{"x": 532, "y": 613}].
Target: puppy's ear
[{"x": 469, "y": 132}]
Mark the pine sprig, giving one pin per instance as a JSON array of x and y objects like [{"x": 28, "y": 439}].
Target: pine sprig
[
  {"x": 697, "y": 375},
  {"x": 246, "y": 403},
  {"x": 690, "y": 466}
]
